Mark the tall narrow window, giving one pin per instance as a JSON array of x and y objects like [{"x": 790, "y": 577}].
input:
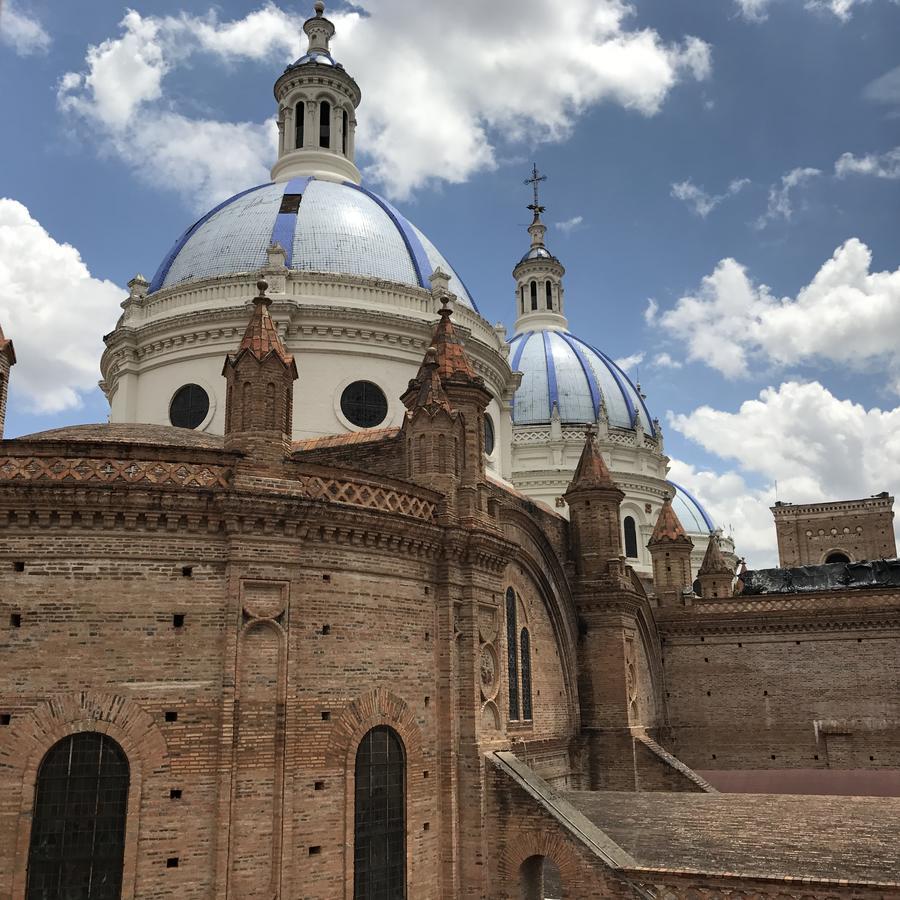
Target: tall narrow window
[
  {"x": 549, "y": 289},
  {"x": 523, "y": 299},
  {"x": 525, "y": 650},
  {"x": 379, "y": 857},
  {"x": 324, "y": 124},
  {"x": 78, "y": 827},
  {"x": 511, "y": 653},
  {"x": 631, "y": 548},
  {"x": 299, "y": 125},
  {"x": 345, "y": 122},
  {"x": 534, "y": 295}
]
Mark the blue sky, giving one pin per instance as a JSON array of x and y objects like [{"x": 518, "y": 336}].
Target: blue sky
[{"x": 696, "y": 150}]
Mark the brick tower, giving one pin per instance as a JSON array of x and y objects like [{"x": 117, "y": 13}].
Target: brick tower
[
  {"x": 7, "y": 361},
  {"x": 593, "y": 500},
  {"x": 670, "y": 549},
  {"x": 715, "y": 575},
  {"x": 260, "y": 377}
]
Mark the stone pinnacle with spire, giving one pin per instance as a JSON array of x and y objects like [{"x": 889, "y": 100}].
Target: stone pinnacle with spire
[{"x": 261, "y": 336}]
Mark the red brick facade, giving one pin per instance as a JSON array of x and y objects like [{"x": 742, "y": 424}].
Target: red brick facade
[{"x": 237, "y": 615}]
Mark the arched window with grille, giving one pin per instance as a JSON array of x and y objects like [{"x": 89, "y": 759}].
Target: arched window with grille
[
  {"x": 299, "y": 125},
  {"x": 77, "y": 844},
  {"x": 549, "y": 290},
  {"x": 379, "y": 854},
  {"x": 631, "y": 545},
  {"x": 324, "y": 124},
  {"x": 525, "y": 653},
  {"x": 345, "y": 124},
  {"x": 534, "y": 295},
  {"x": 511, "y": 653}
]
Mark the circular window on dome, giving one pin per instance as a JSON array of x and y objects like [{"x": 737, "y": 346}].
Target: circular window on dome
[
  {"x": 364, "y": 404},
  {"x": 189, "y": 406},
  {"x": 488, "y": 435}
]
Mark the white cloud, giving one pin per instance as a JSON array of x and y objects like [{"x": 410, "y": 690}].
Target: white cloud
[
  {"x": 629, "y": 362},
  {"x": 569, "y": 225},
  {"x": 22, "y": 31},
  {"x": 757, "y": 10},
  {"x": 650, "y": 311},
  {"x": 815, "y": 445},
  {"x": 881, "y": 165},
  {"x": 665, "y": 361},
  {"x": 846, "y": 314},
  {"x": 605, "y": 60},
  {"x": 55, "y": 312},
  {"x": 780, "y": 204},
  {"x": 699, "y": 200},
  {"x": 753, "y": 10},
  {"x": 885, "y": 88}
]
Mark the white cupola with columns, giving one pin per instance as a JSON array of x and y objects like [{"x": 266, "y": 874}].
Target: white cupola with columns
[
  {"x": 539, "y": 288},
  {"x": 317, "y": 101}
]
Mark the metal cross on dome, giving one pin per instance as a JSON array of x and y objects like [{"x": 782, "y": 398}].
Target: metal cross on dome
[{"x": 534, "y": 181}]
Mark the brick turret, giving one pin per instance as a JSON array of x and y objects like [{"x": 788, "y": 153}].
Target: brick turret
[
  {"x": 670, "y": 549},
  {"x": 594, "y": 500},
  {"x": 447, "y": 375},
  {"x": 7, "y": 361},
  {"x": 716, "y": 577},
  {"x": 260, "y": 376}
]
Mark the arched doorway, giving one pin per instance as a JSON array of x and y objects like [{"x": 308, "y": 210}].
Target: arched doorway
[
  {"x": 837, "y": 556},
  {"x": 540, "y": 879}
]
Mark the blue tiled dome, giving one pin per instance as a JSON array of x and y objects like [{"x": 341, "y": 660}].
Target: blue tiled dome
[
  {"x": 338, "y": 228},
  {"x": 560, "y": 368},
  {"x": 315, "y": 57},
  {"x": 693, "y": 517}
]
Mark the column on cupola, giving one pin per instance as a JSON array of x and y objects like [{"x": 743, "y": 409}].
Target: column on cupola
[
  {"x": 7, "y": 361},
  {"x": 316, "y": 98}
]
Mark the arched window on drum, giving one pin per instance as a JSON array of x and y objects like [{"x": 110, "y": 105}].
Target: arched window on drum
[{"x": 631, "y": 544}]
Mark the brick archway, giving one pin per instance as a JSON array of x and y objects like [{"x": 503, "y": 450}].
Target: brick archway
[
  {"x": 125, "y": 721},
  {"x": 378, "y": 707},
  {"x": 521, "y": 845}
]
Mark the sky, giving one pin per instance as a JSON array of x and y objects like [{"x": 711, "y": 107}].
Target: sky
[{"x": 723, "y": 189}]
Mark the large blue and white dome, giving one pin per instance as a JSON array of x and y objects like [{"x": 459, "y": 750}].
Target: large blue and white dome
[
  {"x": 559, "y": 368},
  {"x": 324, "y": 226}
]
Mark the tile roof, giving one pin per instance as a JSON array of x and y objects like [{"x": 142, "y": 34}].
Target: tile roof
[
  {"x": 430, "y": 393},
  {"x": 668, "y": 527},
  {"x": 592, "y": 470},
  {"x": 369, "y": 436},
  {"x": 261, "y": 337},
  {"x": 713, "y": 561},
  {"x": 451, "y": 355}
]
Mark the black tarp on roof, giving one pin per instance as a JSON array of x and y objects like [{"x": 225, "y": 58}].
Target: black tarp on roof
[{"x": 827, "y": 577}]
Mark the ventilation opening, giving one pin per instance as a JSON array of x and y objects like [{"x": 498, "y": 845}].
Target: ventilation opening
[
  {"x": 187, "y": 571},
  {"x": 18, "y": 566},
  {"x": 178, "y": 620},
  {"x": 319, "y": 786},
  {"x": 175, "y": 794},
  {"x": 172, "y": 862},
  {"x": 290, "y": 203},
  {"x": 15, "y": 620},
  {"x": 171, "y": 715}
]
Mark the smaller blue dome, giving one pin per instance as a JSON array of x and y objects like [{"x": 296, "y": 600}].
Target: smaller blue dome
[
  {"x": 537, "y": 253},
  {"x": 693, "y": 517},
  {"x": 562, "y": 370},
  {"x": 315, "y": 57}
]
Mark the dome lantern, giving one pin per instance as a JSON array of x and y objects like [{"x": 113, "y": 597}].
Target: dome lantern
[
  {"x": 540, "y": 299},
  {"x": 317, "y": 101}
]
